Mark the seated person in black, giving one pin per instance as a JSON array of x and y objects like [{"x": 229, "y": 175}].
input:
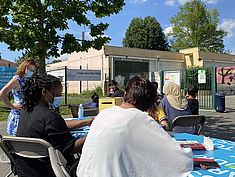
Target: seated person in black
[
  {"x": 192, "y": 101},
  {"x": 93, "y": 102},
  {"x": 38, "y": 120},
  {"x": 114, "y": 91}
]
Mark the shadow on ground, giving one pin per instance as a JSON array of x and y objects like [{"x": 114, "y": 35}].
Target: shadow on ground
[{"x": 221, "y": 127}]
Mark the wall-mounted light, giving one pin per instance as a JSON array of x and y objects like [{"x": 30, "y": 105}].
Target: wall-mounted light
[
  {"x": 199, "y": 59},
  {"x": 157, "y": 58}
]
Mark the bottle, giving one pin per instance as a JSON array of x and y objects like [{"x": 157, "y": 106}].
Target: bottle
[{"x": 81, "y": 111}]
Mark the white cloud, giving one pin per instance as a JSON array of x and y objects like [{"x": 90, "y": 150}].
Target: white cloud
[
  {"x": 170, "y": 2},
  {"x": 181, "y": 2},
  {"x": 167, "y": 30},
  {"x": 229, "y": 26},
  {"x": 138, "y": 1},
  {"x": 210, "y": 1},
  {"x": 89, "y": 37}
]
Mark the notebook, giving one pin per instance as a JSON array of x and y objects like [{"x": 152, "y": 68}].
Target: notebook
[
  {"x": 193, "y": 146},
  {"x": 205, "y": 163}
]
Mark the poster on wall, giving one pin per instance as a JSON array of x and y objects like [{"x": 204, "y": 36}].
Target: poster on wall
[
  {"x": 201, "y": 76},
  {"x": 172, "y": 76}
]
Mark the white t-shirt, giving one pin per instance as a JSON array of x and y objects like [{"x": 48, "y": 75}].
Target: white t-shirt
[{"x": 129, "y": 143}]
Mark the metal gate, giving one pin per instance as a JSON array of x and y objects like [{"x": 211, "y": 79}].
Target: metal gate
[{"x": 203, "y": 78}]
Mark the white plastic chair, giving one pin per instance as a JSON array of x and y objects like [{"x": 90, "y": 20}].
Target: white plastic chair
[{"x": 58, "y": 163}]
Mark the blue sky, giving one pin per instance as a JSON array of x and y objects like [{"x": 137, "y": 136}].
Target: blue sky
[{"x": 162, "y": 10}]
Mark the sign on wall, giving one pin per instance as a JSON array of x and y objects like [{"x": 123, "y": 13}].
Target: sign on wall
[
  {"x": 6, "y": 74},
  {"x": 201, "y": 76},
  {"x": 172, "y": 76},
  {"x": 83, "y": 75}
]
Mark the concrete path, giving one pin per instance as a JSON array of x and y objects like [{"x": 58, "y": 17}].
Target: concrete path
[
  {"x": 4, "y": 167},
  {"x": 219, "y": 125}
]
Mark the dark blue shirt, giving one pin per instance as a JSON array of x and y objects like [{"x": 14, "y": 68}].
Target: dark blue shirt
[{"x": 172, "y": 113}]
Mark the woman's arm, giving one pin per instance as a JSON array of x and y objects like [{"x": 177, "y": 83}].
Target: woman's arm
[
  {"x": 12, "y": 84},
  {"x": 79, "y": 123},
  {"x": 165, "y": 124},
  {"x": 78, "y": 145}
]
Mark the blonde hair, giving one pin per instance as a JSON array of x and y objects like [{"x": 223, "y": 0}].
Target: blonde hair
[{"x": 24, "y": 65}]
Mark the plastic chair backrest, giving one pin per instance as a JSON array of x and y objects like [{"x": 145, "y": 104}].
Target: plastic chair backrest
[
  {"x": 196, "y": 121},
  {"x": 6, "y": 154},
  {"x": 58, "y": 163},
  {"x": 26, "y": 147}
]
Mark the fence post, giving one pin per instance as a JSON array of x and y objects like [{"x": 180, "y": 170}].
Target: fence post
[
  {"x": 65, "y": 86},
  {"x": 185, "y": 81},
  {"x": 213, "y": 85},
  {"x": 161, "y": 81},
  {"x": 80, "y": 82}
]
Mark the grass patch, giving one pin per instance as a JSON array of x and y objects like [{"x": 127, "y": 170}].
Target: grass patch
[
  {"x": 64, "y": 110},
  {"x": 3, "y": 115}
]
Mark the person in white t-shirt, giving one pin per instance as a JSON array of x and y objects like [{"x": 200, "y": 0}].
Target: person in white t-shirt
[{"x": 124, "y": 141}]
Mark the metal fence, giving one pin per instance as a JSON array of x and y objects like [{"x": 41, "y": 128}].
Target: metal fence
[{"x": 207, "y": 88}]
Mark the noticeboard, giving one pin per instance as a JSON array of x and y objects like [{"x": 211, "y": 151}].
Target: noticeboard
[
  {"x": 6, "y": 73},
  {"x": 83, "y": 75},
  {"x": 172, "y": 76}
]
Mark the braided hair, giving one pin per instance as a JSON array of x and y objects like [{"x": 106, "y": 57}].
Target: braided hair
[{"x": 33, "y": 89}]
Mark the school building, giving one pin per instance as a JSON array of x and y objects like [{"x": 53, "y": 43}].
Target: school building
[{"x": 122, "y": 63}]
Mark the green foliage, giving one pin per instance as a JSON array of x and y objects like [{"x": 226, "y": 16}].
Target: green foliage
[
  {"x": 145, "y": 34},
  {"x": 3, "y": 112},
  {"x": 39, "y": 27},
  {"x": 197, "y": 26},
  {"x": 89, "y": 93}
]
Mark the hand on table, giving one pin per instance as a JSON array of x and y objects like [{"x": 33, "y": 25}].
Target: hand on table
[{"x": 90, "y": 120}]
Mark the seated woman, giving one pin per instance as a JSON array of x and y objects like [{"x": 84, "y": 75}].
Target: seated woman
[
  {"x": 158, "y": 114},
  {"x": 114, "y": 91},
  {"x": 38, "y": 120},
  {"x": 93, "y": 102},
  {"x": 125, "y": 141},
  {"x": 174, "y": 104}
]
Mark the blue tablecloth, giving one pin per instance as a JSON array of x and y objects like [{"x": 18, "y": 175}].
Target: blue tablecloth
[
  {"x": 80, "y": 132},
  {"x": 224, "y": 155}
]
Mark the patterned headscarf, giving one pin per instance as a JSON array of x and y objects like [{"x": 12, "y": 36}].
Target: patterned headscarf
[{"x": 173, "y": 95}]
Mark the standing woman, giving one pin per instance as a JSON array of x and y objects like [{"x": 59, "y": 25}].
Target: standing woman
[{"x": 25, "y": 70}]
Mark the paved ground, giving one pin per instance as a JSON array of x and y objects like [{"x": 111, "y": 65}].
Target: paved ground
[
  {"x": 218, "y": 125},
  {"x": 4, "y": 168}
]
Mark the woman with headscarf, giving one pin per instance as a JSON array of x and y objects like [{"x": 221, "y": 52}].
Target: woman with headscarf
[{"x": 174, "y": 105}]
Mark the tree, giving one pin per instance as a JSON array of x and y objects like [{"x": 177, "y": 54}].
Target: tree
[
  {"x": 196, "y": 26},
  {"x": 145, "y": 34},
  {"x": 39, "y": 26}
]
